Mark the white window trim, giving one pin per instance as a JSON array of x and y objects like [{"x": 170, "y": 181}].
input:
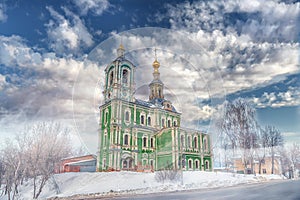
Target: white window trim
[
  {"x": 163, "y": 125},
  {"x": 150, "y": 120},
  {"x": 145, "y": 120},
  {"x": 126, "y": 133},
  {"x": 127, "y": 121}
]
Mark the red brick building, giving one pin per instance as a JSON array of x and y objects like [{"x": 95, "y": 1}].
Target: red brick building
[{"x": 85, "y": 163}]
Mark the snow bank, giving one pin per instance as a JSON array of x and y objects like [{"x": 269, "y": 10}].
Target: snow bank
[{"x": 109, "y": 183}]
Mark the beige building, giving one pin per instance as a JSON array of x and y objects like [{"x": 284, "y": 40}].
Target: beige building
[{"x": 266, "y": 166}]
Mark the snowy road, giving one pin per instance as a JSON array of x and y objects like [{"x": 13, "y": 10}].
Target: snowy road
[{"x": 287, "y": 190}]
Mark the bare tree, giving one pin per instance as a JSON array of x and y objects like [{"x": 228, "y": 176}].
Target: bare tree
[
  {"x": 239, "y": 126},
  {"x": 13, "y": 168},
  {"x": 44, "y": 144},
  {"x": 263, "y": 139},
  {"x": 274, "y": 139},
  {"x": 294, "y": 156},
  {"x": 35, "y": 154}
]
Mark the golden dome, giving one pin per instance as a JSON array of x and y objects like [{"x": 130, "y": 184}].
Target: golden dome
[
  {"x": 156, "y": 64},
  {"x": 121, "y": 46}
]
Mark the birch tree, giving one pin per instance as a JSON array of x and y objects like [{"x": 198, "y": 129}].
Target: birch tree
[
  {"x": 239, "y": 125},
  {"x": 44, "y": 144},
  {"x": 275, "y": 139}
]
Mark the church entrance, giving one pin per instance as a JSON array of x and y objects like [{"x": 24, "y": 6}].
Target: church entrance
[{"x": 127, "y": 164}]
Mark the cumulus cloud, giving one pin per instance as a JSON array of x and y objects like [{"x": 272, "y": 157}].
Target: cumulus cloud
[
  {"x": 97, "y": 7},
  {"x": 3, "y": 16},
  {"x": 290, "y": 97},
  {"x": 260, "y": 20},
  {"x": 67, "y": 34},
  {"x": 254, "y": 44},
  {"x": 40, "y": 86}
]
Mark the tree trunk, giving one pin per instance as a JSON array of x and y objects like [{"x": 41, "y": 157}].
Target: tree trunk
[{"x": 272, "y": 160}]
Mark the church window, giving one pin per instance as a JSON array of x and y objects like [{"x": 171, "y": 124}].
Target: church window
[
  {"x": 163, "y": 122},
  {"x": 142, "y": 119},
  {"x": 151, "y": 142},
  {"x": 144, "y": 142},
  {"x": 182, "y": 140},
  {"x": 205, "y": 144},
  {"x": 125, "y": 76},
  {"x": 195, "y": 142},
  {"x": 151, "y": 163},
  {"x": 190, "y": 164},
  {"x": 189, "y": 142},
  {"x": 149, "y": 121},
  {"x": 127, "y": 116},
  {"x": 111, "y": 78},
  {"x": 174, "y": 123},
  {"x": 106, "y": 117},
  {"x": 197, "y": 164},
  {"x": 169, "y": 123},
  {"x": 104, "y": 163},
  {"x": 159, "y": 93},
  {"x": 206, "y": 164},
  {"x": 126, "y": 139}
]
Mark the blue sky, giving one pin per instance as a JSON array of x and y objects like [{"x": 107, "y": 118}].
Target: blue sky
[{"x": 44, "y": 45}]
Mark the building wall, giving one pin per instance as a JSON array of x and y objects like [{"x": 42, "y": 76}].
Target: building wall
[{"x": 266, "y": 167}]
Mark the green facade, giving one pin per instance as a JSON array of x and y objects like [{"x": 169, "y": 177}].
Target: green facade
[{"x": 139, "y": 135}]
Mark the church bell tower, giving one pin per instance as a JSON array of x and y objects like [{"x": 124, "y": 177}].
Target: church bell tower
[
  {"x": 156, "y": 86},
  {"x": 119, "y": 78}
]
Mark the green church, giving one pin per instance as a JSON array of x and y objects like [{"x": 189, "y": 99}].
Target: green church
[{"x": 144, "y": 136}]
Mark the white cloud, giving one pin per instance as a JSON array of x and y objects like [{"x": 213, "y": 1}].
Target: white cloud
[
  {"x": 97, "y": 7},
  {"x": 290, "y": 97},
  {"x": 67, "y": 34},
  {"x": 261, "y": 20},
  {"x": 3, "y": 16},
  {"x": 41, "y": 87}
]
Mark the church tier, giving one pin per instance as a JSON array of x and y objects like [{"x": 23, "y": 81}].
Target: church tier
[{"x": 138, "y": 135}]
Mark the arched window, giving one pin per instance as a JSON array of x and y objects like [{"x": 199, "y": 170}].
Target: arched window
[
  {"x": 174, "y": 124},
  {"x": 149, "y": 121},
  {"x": 111, "y": 78},
  {"x": 206, "y": 164},
  {"x": 195, "y": 142},
  {"x": 127, "y": 116},
  {"x": 205, "y": 144},
  {"x": 125, "y": 76},
  {"x": 144, "y": 142},
  {"x": 126, "y": 139},
  {"x": 182, "y": 140},
  {"x": 169, "y": 123},
  {"x": 106, "y": 117},
  {"x": 151, "y": 142},
  {"x": 189, "y": 142},
  {"x": 197, "y": 164},
  {"x": 151, "y": 163},
  {"x": 142, "y": 119},
  {"x": 190, "y": 164}
]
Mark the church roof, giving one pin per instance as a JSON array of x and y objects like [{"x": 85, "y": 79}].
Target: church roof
[{"x": 154, "y": 103}]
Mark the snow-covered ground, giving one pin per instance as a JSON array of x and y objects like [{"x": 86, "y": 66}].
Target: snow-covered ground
[{"x": 70, "y": 184}]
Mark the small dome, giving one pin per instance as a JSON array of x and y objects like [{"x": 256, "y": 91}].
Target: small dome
[{"x": 156, "y": 65}]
